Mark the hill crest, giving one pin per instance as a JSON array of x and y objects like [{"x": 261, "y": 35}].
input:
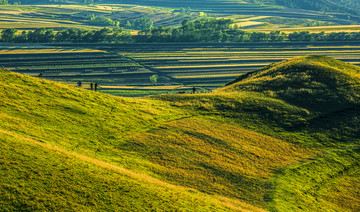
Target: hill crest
[{"x": 315, "y": 82}]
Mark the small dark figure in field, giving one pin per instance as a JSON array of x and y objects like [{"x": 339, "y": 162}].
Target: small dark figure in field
[
  {"x": 40, "y": 75},
  {"x": 194, "y": 89},
  {"x": 91, "y": 86},
  {"x": 79, "y": 84},
  {"x": 96, "y": 86}
]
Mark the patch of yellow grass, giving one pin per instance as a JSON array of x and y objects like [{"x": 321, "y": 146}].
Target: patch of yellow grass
[
  {"x": 41, "y": 50},
  {"x": 247, "y": 23},
  {"x": 104, "y": 7},
  {"x": 144, "y": 87},
  {"x": 186, "y": 59},
  {"x": 80, "y": 7},
  {"x": 33, "y": 25},
  {"x": 209, "y": 66},
  {"x": 317, "y": 29},
  {"x": 11, "y": 12},
  {"x": 206, "y": 76}
]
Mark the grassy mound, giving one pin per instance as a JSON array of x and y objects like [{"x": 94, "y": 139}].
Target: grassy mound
[{"x": 317, "y": 83}]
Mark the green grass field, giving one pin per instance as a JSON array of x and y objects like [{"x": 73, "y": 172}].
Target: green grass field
[{"x": 245, "y": 147}]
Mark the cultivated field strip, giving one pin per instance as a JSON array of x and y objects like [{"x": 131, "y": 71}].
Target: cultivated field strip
[{"x": 179, "y": 66}]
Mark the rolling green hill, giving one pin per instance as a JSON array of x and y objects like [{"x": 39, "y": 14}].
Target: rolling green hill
[
  {"x": 313, "y": 82},
  {"x": 240, "y": 148},
  {"x": 327, "y": 88}
]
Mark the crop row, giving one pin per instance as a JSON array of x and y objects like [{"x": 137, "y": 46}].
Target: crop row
[
  {"x": 55, "y": 58},
  {"x": 33, "y": 63},
  {"x": 85, "y": 66},
  {"x": 164, "y": 48}
]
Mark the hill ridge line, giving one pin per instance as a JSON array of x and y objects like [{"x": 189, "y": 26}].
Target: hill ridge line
[{"x": 240, "y": 206}]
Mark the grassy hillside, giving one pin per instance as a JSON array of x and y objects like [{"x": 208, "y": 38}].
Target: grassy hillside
[
  {"x": 315, "y": 82},
  {"x": 327, "y": 182},
  {"x": 149, "y": 137},
  {"x": 61, "y": 149},
  {"x": 37, "y": 176},
  {"x": 234, "y": 149}
]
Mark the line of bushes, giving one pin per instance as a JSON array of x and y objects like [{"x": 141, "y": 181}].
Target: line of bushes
[{"x": 201, "y": 30}]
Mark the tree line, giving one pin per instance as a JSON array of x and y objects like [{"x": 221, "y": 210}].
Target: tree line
[
  {"x": 5, "y": 2},
  {"x": 201, "y": 30}
]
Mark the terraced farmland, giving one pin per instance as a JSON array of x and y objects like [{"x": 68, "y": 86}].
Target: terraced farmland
[
  {"x": 167, "y": 14},
  {"x": 29, "y": 17},
  {"x": 125, "y": 69},
  {"x": 72, "y": 64},
  {"x": 230, "y": 7},
  {"x": 212, "y": 65}
]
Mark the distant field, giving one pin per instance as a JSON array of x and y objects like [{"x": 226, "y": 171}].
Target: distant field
[
  {"x": 28, "y": 17},
  {"x": 36, "y": 16},
  {"x": 125, "y": 69},
  {"x": 210, "y": 66},
  {"x": 326, "y": 29},
  {"x": 167, "y": 14},
  {"x": 264, "y": 8}
]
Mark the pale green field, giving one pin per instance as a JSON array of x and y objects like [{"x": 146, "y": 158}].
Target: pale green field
[
  {"x": 27, "y": 17},
  {"x": 326, "y": 29}
]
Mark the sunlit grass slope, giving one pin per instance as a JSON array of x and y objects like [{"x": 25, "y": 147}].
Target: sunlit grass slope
[
  {"x": 66, "y": 148},
  {"x": 326, "y": 118},
  {"x": 330, "y": 183},
  {"x": 314, "y": 82},
  {"x": 162, "y": 142},
  {"x": 37, "y": 177},
  {"x": 248, "y": 146},
  {"x": 217, "y": 157},
  {"x": 47, "y": 111},
  {"x": 329, "y": 90}
]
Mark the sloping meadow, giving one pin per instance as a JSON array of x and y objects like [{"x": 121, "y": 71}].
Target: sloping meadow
[{"x": 233, "y": 149}]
